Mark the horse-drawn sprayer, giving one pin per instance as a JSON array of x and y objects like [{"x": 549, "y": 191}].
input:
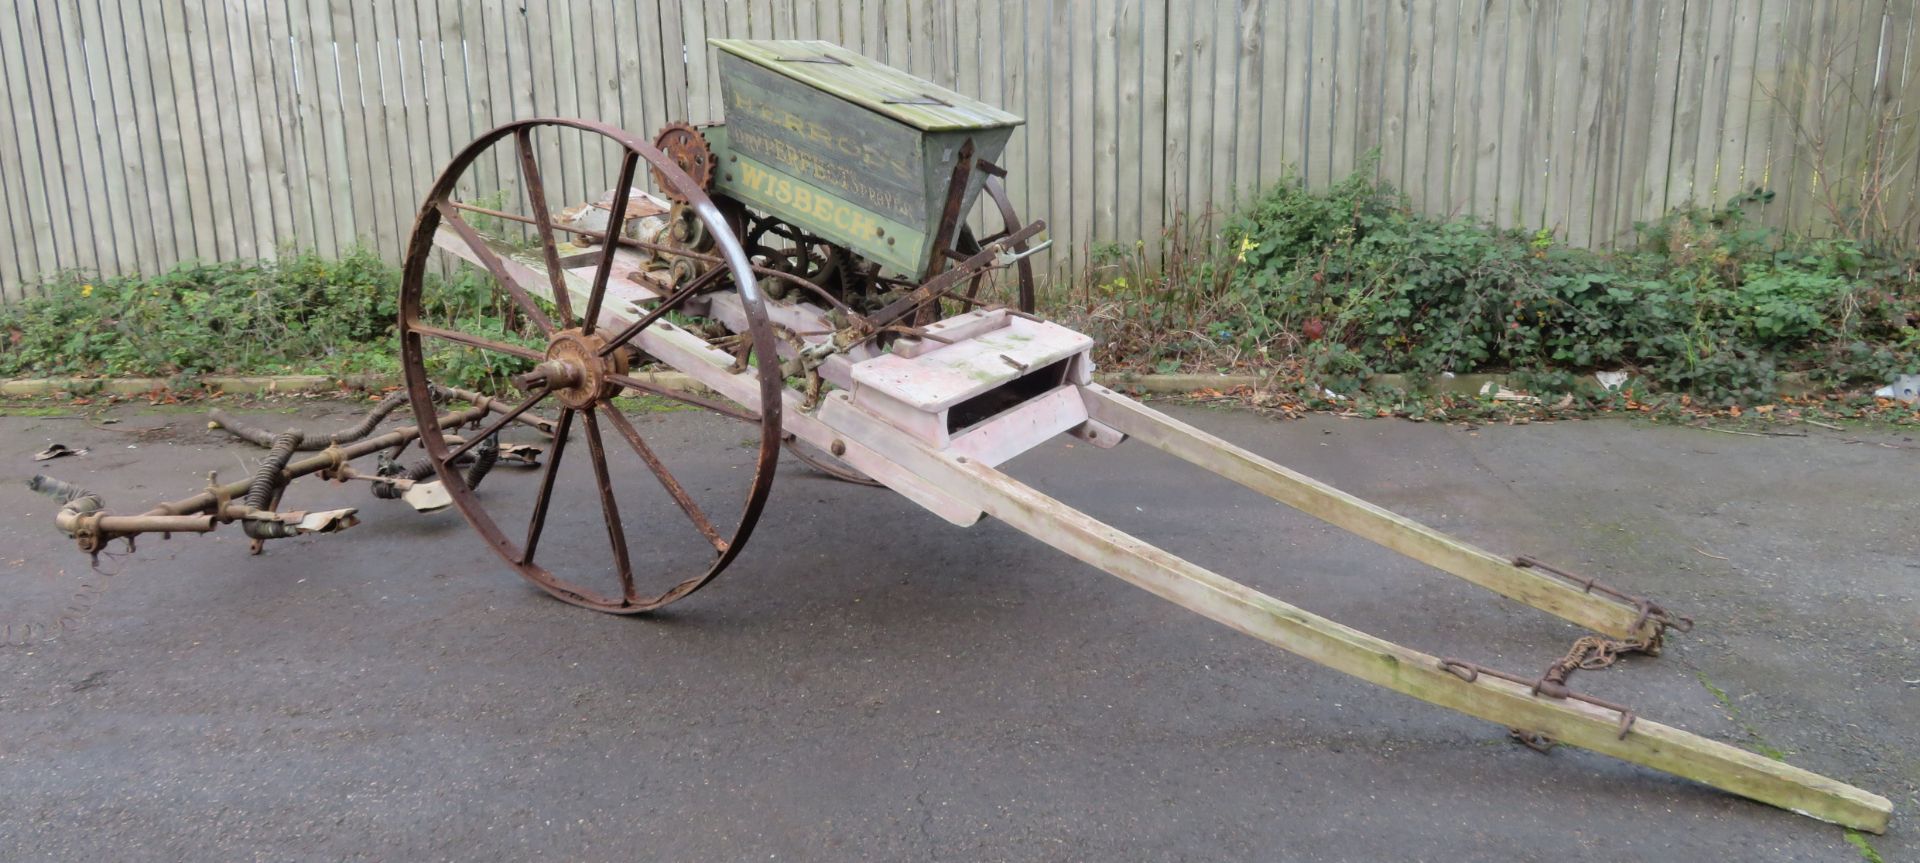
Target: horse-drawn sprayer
[{"x": 807, "y": 269}]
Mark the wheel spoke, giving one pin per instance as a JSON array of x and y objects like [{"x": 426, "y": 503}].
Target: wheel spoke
[
  {"x": 616, "y": 222},
  {"x": 633, "y": 383},
  {"x": 537, "y": 198},
  {"x": 499, "y": 270},
  {"x": 667, "y": 481},
  {"x": 608, "y": 507},
  {"x": 474, "y": 341},
  {"x": 539, "y": 520},
  {"x": 498, "y": 423},
  {"x": 669, "y": 304}
]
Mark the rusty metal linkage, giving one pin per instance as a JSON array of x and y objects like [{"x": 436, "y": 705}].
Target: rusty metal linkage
[
  {"x": 1650, "y": 611},
  {"x": 1471, "y": 671},
  {"x": 253, "y": 502}
]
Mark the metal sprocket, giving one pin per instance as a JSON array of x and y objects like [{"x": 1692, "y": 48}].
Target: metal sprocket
[{"x": 689, "y": 149}]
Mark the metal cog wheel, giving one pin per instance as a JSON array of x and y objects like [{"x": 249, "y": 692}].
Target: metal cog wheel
[{"x": 687, "y": 148}]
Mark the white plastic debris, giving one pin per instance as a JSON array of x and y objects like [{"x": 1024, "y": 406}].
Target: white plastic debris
[
  {"x": 1905, "y": 388},
  {"x": 1502, "y": 394},
  {"x": 1611, "y": 381}
]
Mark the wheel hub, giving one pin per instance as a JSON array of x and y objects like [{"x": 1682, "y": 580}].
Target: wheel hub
[{"x": 576, "y": 371}]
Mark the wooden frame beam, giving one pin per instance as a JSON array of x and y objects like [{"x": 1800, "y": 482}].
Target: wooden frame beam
[{"x": 1369, "y": 521}]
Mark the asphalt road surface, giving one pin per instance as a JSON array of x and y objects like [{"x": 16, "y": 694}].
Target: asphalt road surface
[{"x": 871, "y": 683}]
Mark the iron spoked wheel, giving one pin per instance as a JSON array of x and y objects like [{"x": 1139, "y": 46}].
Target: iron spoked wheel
[{"x": 574, "y": 360}]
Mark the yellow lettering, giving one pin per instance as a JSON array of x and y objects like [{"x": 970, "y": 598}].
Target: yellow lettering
[{"x": 755, "y": 177}]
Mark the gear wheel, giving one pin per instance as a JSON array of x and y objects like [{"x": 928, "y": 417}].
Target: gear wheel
[{"x": 688, "y": 148}]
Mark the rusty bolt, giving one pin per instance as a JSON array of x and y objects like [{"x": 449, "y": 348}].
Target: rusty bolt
[{"x": 838, "y": 448}]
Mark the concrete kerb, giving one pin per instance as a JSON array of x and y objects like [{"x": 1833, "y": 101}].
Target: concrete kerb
[{"x": 1793, "y": 384}]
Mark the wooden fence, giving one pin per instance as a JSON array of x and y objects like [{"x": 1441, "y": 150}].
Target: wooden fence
[{"x": 134, "y": 135}]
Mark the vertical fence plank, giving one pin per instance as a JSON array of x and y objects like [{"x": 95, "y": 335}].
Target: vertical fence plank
[
  {"x": 1600, "y": 158},
  {"x": 1204, "y": 88},
  {"x": 1249, "y": 84},
  {"x": 1862, "y": 23},
  {"x": 1102, "y": 136},
  {"x": 1490, "y": 104},
  {"x": 665, "y": 57},
  {"x": 1397, "y": 55},
  {"x": 1371, "y": 65},
  {"x": 1320, "y": 108},
  {"x": 80, "y": 153},
  {"x": 1273, "y": 90},
  {"x": 417, "y": 79},
  {"x": 385, "y": 115},
  {"x": 486, "y": 52},
  {"x": 1469, "y": 66},
  {"x": 1083, "y": 153},
  {"x": 1731, "y": 132},
  {"x": 552, "y": 61},
  {"x": 329, "y": 187},
  {"x": 1757, "y": 137},
  {"x": 1515, "y": 120},
  {"x": 1591, "y": 139},
  {"x": 249, "y": 98},
  {"x": 219, "y": 100},
  {"x": 1689, "y": 97},
  {"x": 275, "y": 123},
  {"x": 1060, "y": 89},
  {"x": 1037, "y": 202},
  {"x": 1154, "y": 84},
  {"x": 39, "y": 173},
  {"x": 1814, "y": 56},
  {"x": 1178, "y": 137},
  {"x": 90, "y": 78},
  {"x": 1649, "y": 198},
  {"x": 212, "y": 85},
  {"x": 142, "y": 137},
  {"x": 21, "y": 257},
  {"x": 1537, "y": 95},
  {"x": 1447, "y": 57},
  {"x": 1129, "y": 158},
  {"x": 633, "y": 70},
  {"x": 117, "y": 116},
  {"x": 59, "y": 163},
  {"x": 15, "y": 256},
  {"x": 1345, "y": 89},
  {"x": 1902, "y": 145},
  {"x": 342, "y": 111},
  {"x": 1421, "y": 74}
]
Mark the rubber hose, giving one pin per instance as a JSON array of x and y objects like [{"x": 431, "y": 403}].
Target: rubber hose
[
  {"x": 73, "y": 498},
  {"x": 416, "y": 470},
  {"x": 314, "y": 441},
  {"x": 267, "y": 478},
  {"x": 484, "y": 457}
]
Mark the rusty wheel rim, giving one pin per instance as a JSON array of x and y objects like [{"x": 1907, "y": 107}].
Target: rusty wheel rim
[{"x": 578, "y": 374}]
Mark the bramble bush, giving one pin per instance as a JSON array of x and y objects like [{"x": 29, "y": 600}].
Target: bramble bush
[
  {"x": 1711, "y": 303},
  {"x": 300, "y": 312},
  {"x": 1351, "y": 280}
]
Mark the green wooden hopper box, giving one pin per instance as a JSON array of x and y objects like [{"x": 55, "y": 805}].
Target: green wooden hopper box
[{"x": 854, "y": 151}]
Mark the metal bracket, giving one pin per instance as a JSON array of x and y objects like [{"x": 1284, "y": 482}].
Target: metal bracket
[{"x": 1005, "y": 258}]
